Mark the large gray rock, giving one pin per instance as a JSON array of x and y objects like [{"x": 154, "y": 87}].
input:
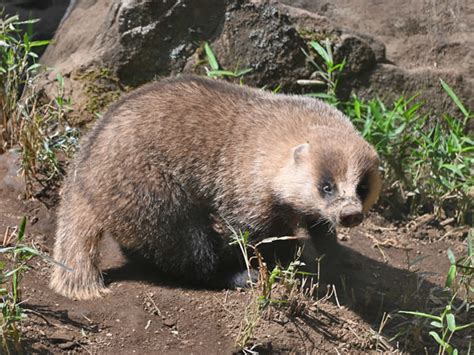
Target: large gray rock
[
  {"x": 103, "y": 46},
  {"x": 142, "y": 40},
  {"x": 261, "y": 38},
  {"x": 138, "y": 41}
]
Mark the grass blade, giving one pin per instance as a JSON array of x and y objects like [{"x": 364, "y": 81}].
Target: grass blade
[
  {"x": 451, "y": 276},
  {"x": 438, "y": 339},
  {"x": 39, "y": 43},
  {"x": 21, "y": 229},
  {"x": 421, "y": 314},
  {"x": 211, "y": 57},
  {"x": 321, "y": 51},
  {"x": 454, "y": 97}
]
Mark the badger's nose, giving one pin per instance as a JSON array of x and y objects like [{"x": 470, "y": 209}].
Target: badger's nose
[{"x": 351, "y": 217}]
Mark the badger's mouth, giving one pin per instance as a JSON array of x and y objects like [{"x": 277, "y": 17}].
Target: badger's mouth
[{"x": 350, "y": 215}]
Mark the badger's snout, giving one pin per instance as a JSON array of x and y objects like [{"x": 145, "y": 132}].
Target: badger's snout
[{"x": 351, "y": 216}]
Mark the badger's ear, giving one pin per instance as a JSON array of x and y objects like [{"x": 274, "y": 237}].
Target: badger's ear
[{"x": 300, "y": 152}]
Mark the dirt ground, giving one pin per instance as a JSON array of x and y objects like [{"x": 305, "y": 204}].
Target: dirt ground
[{"x": 381, "y": 267}]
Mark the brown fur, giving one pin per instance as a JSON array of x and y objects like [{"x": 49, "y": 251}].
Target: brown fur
[{"x": 172, "y": 157}]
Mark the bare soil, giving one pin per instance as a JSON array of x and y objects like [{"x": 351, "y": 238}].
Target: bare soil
[{"x": 380, "y": 270}]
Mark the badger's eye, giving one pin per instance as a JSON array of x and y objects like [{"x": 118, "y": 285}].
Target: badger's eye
[{"x": 327, "y": 188}]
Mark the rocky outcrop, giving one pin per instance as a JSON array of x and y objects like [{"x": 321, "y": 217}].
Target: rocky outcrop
[
  {"x": 142, "y": 40},
  {"x": 423, "y": 41},
  {"x": 137, "y": 41},
  {"x": 260, "y": 38},
  {"x": 103, "y": 46}
]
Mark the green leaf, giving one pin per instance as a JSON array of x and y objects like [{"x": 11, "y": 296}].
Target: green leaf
[
  {"x": 451, "y": 322},
  {"x": 437, "y": 324},
  {"x": 328, "y": 50},
  {"x": 321, "y": 52},
  {"x": 26, "y": 22},
  {"x": 357, "y": 108},
  {"x": 465, "y": 326},
  {"x": 273, "y": 276},
  {"x": 454, "y": 168},
  {"x": 10, "y": 20},
  {"x": 451, "y": 276},
  {"x": 451, "y": 257},
  {"x": 6, "y": 249},
  {"x": 60, "y": 80},
  {"x": 39, "y": 43},
  {"x": 34, "y": 66},
  {"x": 424, "y": 315},
  {"x": 211, "y": 58},
  {"x": 277, "y": 89},
  {"x": 454, "y": 97},
  {"x": 438, "y": 339},
  {"x": 21, "y": 229},
  {"x": 26, "y": 40},
  {"x": 242, "y": 72},
  {"x": 467, "y": 149},
  {"x": 13, "y": 272},
  {"x": 221, "y": 73},
  {"x": 399, "y": 130},
  {"x": 34, "y": 252},
  {"x": 410, "y": 112}
]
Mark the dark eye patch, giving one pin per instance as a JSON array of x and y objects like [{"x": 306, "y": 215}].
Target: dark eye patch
[
  {"x": 326, "y": 185},
  {"x": 363, "y": 187}
]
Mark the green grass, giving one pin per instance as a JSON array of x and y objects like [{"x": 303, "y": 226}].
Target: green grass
[
  {"x": 17, "y": 69},
  {"x": 216, "y": 71},
  {"x": 14, "y": 264},
  {"x": 284, "y": 287},
  {"x": 326, "y": 74},
  {"x": 37, "y": 125}
]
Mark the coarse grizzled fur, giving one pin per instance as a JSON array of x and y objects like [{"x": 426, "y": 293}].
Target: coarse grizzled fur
[{"x": 171, "y": 164}]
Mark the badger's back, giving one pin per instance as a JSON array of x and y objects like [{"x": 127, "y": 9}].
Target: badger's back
[{"x": 202, "y": 131}]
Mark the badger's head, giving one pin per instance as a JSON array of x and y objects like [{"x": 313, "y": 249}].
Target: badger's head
[{"x": 332, "y": 176}]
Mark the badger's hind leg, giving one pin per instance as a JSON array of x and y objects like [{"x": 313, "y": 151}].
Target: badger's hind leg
[{"x": 76, "y": 247}]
